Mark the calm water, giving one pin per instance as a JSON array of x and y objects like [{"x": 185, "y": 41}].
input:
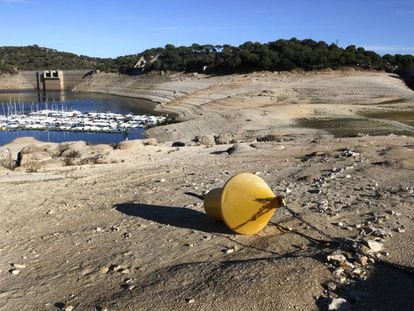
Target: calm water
[{"x": 28, "y": 101}]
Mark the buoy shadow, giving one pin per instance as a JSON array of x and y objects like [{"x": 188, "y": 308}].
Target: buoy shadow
[{"x": 179, "y": 217}]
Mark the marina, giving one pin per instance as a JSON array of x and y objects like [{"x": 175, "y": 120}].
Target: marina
[
  {"x": 68, "y": 116},
  {"x": 77, "y": 121}
]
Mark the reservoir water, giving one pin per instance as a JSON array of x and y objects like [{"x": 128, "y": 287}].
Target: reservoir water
[{"x": 84, "y": 102}]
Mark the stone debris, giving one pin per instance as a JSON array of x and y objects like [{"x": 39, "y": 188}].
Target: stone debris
[
  {"x": 18, "y": 266},
  {"x": 14, "y": 271},
  {"x": 339, "y": 304},
  {"x": 229, "y": 250},
  {"x": 207, "y": 140},
  {"x": 115, "y": 268},
  {"x": 374, "y": 246},
  {"x": 337, "y": 258}
]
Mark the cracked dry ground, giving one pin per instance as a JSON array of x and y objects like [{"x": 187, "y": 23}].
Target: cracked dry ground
[{"x": 124, "y": 236}]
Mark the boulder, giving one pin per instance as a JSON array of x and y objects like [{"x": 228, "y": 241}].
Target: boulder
[
  {"x": 224, "y": 139},
  {"x": 102, "y": 148},
  {"x": 239, "y": 148},
  {"x": 73, "y": 149},
  {"x": 178, "y": 144},
  {"x": 33, "y": 158},
  {"x": 150, "y": 142},
  {"x": 52, "y": 148},
  {"x": 130, "y": 144},
  {"x": 6, "y": 159},
  {"x": 207, "y": 140}
]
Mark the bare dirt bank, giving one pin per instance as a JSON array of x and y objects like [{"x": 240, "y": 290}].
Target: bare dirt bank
[
  {"x": 266, "y": 103},
  {"x": 95, "y": 227},
  {"x": 14, "y": 82}
]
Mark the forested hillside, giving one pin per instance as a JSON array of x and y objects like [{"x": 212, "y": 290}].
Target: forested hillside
[
  {"x": 277, "y": 55},
  {"x": 35, "y": 58}
]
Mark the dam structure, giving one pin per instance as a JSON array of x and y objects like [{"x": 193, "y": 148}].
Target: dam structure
[
  {"x": 55, "y": 80},
  {"x": 50, "y": 80}
]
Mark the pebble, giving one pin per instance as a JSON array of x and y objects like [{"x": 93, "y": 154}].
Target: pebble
[
  {"x": 14, "y": 271},
  {"x": 68, "y": 308},
  {"x": 190, "y": 300},
  {"x": 124, "y": 271},
  {"x": 337, "y": 258},
  {"x": 338, "y": 304},
  {"x": 363, "y": 260},
  {"x": 374, "y": 246},
  {"x": 104, "y": 270},
  {"x": 331, "y": 286},
  {"x": 115, "y": 268},
  {"x": 18, "y": 266}
]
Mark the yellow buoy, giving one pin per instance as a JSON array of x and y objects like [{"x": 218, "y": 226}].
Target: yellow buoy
[{"x": 245, "y": 203}]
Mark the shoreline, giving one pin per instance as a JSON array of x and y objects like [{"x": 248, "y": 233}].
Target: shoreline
[{"x": 112, "y": 227}]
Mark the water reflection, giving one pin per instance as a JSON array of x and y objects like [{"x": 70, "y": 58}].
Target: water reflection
[{"x": 77, "y": 101}]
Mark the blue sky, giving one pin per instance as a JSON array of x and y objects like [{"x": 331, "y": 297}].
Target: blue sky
[{"x": 120, "y": 27}]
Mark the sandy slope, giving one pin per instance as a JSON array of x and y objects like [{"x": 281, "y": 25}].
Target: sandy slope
[{"x": 125, "y": 236}]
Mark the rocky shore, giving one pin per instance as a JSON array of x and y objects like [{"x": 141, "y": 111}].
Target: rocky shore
[{"x": 111, "y": 227}]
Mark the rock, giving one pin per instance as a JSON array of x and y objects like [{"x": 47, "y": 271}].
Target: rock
[
  {"x": 337, "y": 258},
  {"x": 338, "y": 304},
  {"x": 207, "y": 140},
  {"x": 130, "y": 144},
  {"x": 101, "y": 148},
  {"x": 32, "y": 159},
  {"x": 52, "y": 149},
  {"x": 189, "y": 300},
  {"x": 374, "y": 246},
  {"x": 178, "y": 144},
  {"x": 124, "y": 271},
  {"x": 362, "y": 260},
  {"x": 104, "y": 270},
  {"x": 331, "y": 286},
  {"x": 68, "y": 308},
  {"x": 73, "y": 149},
  {"x": 18, "y": 266},
  {"x": 150, "y": 142},
  {"x": 114, "y": 268},
  {"x": 14, "y": 271},
  {"x": 224, "y": 139},
  {"x": 229, "y": 250},
  {"x": 239, "y": 148}
]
